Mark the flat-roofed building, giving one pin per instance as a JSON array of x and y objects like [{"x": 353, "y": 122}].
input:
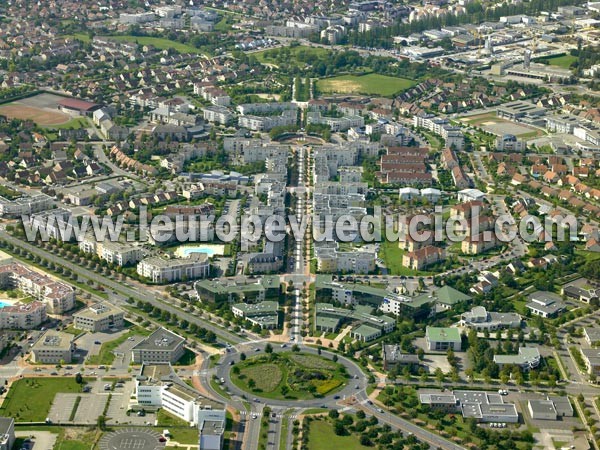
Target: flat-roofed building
[
  {"x": 158, "y": 386},
  {"x": 441, "y": 339},
  {"x": 161, "y": 270},
  {"x": 162, "y": 346},
  {"x": 592, "y": 335},
  {"x": 480, "y": 319},
  {"x": 98, "y": 317},
  {"x": 264, "y": 314},
  {"x": 527, "y": 358},
  {"x": 479, "y": 405},
  {"x": 238, "y": 289},
  {"x": 545, "y": 304},
  {"x": 53, "y": 347},
  {"x": 393, "y": 356}
]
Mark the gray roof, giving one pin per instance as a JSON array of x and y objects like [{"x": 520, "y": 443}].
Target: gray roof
[{"x": 161, "y": 339}]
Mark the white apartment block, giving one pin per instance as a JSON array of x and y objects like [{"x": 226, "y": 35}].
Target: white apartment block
[
  {"x": 217, "y": 114},
  {"x": 451, "y": 134},
  {"x": 24, "y": 205},
  {"x": 160, "y": 270}
]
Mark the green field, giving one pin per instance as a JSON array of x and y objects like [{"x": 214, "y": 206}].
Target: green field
[
  {"x": 160, "y": 43},
  {"x": 297, "y": 54},
  {"x": 392, "y": 257},
  {"x": 30, "y": 399},
  {"x": 73, "y": 124},
  {"x": 373, "y": 84},
  {"x": 180, "y": 430},
  {"x": 563, "y": 61},
  {"x": 294, "y": 376},
  {"x": 106, "y": 355},
  {"x": 322, "y": 437}
]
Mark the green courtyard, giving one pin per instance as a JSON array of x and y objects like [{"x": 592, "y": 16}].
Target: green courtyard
[
  {"x": 289, "y": 375},
  {"x": 30, "y": 399}
]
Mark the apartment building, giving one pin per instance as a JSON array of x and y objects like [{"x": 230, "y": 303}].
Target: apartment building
[
  {"x": 116, "y": 253},
  {"x": 23, "y": 316},
  {"x": 160, "y": 270},
  {"x": 59, "y": 297},
  {"x": 24, "y": 205},
  {"x": 100, "y": 316}
]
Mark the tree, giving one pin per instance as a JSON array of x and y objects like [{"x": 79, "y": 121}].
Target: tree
[
  {"x": 268, "y": 348},
  {"x": 78, "y": 378},
  {"x": 335, "y": 358},
  {"x": 333, "y": 413},
  {"x": 284, "y": 390},
  {"x": 339, "y": 428},
  {"x": 242, "y": 356},
  {"x": 251, "y": 383}
]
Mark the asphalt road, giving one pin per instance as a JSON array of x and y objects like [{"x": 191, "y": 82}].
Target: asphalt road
[{"x": 136, "y": 294}]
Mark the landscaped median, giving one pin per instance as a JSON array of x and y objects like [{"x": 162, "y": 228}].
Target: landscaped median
[{"x": 289, "y": 375}]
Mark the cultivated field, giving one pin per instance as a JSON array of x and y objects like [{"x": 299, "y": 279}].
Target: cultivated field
[{"x": 372, "y": 83}]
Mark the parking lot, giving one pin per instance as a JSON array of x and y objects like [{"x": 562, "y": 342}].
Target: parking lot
[
  {"x": 117, "y": 409},
  {"x": 123, "y": 352},
  {"x": 86, "y": 344},
  {"x": 90, "y": 407}
]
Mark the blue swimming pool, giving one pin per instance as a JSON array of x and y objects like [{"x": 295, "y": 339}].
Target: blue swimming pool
[{"x": 210, "y": 250}]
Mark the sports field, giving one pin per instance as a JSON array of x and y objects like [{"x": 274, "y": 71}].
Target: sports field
[
  {"x": 373, "y": 84},
  {"x": 491, "y": 123},
  {"x": 39, "y": 115}
]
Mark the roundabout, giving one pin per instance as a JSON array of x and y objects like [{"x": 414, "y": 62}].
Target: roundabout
[
  {"x": 284, "y": 378},
  {"x": 289, "y": 376}
]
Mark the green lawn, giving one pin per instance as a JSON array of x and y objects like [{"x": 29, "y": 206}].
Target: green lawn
[
  {"x": 268, "y": 56},
  {"x": 30, "y": 399},
  {"x": 289, "y": 376},
  {"x": 322, "y": 437},
  {"x": 160, "y": 43},
  {"x": 179, "y": 429},
  {"x": 563, "y": 61},
  {"x": 106, "y": 355},
  {"x": 372, "y": 83},
  {"x": 73, "y": 124},
  {"x": 72, "y": 445},
  {"x": 392, "y": 256}
]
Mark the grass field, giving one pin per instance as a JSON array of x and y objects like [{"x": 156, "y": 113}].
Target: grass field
[
  {"x": 392, "y": 256},
  {"x": 40, "y": 116},
  {"x": 372, "y": 83},
  {"x": 73, "y": 124},
  {"x": 322, "y": 437},
  {"x": 289, "y": 376},
  {"x": 30, "y": 399},
  {"x": 179, "y": 429},
  {"x": 563, "y": 61},
  {"x": 160, "y": 43},
  {"x": 269, "y": 55}
]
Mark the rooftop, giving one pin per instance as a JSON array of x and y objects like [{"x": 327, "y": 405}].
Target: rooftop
[
  {"x": 437, "y": 334},
  {"x": 161, "y": 339}
]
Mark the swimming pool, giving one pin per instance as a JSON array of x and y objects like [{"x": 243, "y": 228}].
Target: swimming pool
[{"x": 210, "y": 250}]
